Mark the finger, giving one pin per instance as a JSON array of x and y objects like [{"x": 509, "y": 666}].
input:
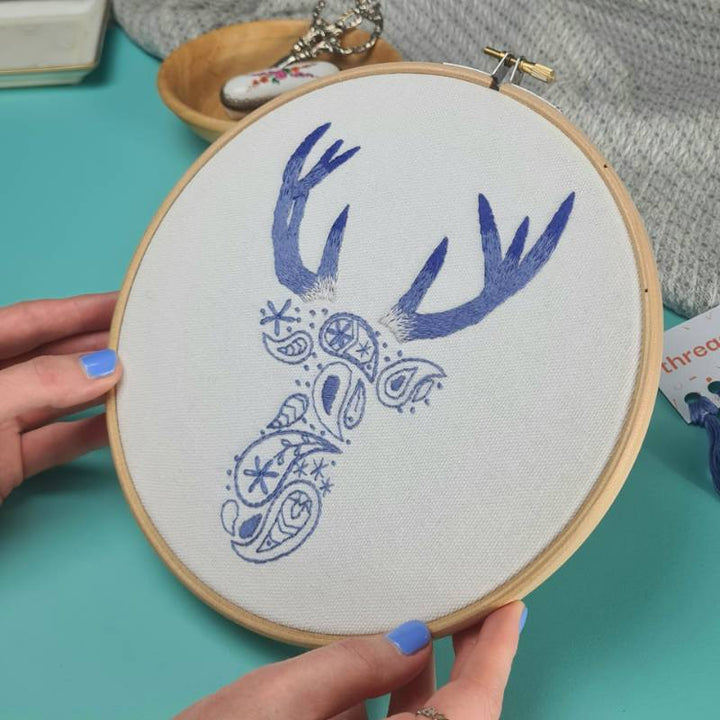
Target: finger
[
  {"x": 83, "y": 343},
  {"x": 477, "y": 691},
  {"x": 37, "y": 418},
  {"x": 56, "y": 382},
  {"x": 324, "y": 682},
  {"x": 414, "y": 694},
  {"x": 29, "y": 325},
  {"x": 61, "y": 442},
  {"x": 463, "y": 644}
]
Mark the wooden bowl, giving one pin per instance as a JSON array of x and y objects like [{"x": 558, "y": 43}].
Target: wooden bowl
[{"x": 192, "y": 76}]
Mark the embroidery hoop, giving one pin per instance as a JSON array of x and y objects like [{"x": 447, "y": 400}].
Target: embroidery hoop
[{"x": 610, "y": 479}]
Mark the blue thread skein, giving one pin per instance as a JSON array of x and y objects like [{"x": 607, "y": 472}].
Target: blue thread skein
[{"x": 704, "y": 413}]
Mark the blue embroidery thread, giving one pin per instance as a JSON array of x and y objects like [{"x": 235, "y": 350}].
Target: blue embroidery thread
[
  {"x": 278, "y": 498},
  {"x": 290, "y": 520},
  {"x": 247, "y": 529},
  {"x": 264, "y": 521},
  {"x": 277, "y": 317},
  {"x": 264, "y": 467},
  {"x": 504, "y": 276},
  {"x": 354, "y": 410},
  {"x": 291, "y": 411},
  {"x": 229, "y": 516},
  {"x": 351, "y": 338},
  {"x": 704, "y": 413},
  {"x": 288, "y": 216},
  {"x": 331, "y": 387},
  {"x": 293, "y": 350},
  {"x": 408, "y": 380}
]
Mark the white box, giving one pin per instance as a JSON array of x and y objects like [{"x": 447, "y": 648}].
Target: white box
[{"x": 50, "y": 42}]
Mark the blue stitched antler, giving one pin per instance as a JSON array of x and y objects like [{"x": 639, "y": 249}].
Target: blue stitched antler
[
  {"x": 288, "y": 216},
  {"x": 504, "y": 276}
]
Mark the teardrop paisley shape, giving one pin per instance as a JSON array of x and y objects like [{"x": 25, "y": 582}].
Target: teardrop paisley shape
[
  {"x": 229, "y": 515},
  {"x": 351, "y": 338},
  {"x": 329, "y": 391},
  {"x": 269, "y": 463},
  {"x": 355, "y": 407},
  {"x": 289, "y": 521},
  {"x": 293, "y": 350},
  {"x": 295, "y": 511},
  {"x": 407, "y": 380},
  {"x": 247, "y": 529},
  {"x": 292, "y": 410}
]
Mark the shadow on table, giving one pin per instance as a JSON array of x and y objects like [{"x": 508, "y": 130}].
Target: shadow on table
[
  {"x": 600, "y": 607},
  {"x": 22, "y": 511},
  {"x": 105, "y": 71},
  {"x": 270, "y": 650}
]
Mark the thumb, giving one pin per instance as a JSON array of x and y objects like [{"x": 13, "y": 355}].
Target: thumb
[
  {"x": 57, "y": 382},
  {"x": 324, "y": 682}
]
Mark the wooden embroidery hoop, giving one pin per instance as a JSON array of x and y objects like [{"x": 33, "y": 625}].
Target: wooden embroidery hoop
[{"x": 608, "y": 483}]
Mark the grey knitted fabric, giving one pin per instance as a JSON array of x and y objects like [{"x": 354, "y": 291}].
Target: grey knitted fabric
[{"x": 641, "y": 79}]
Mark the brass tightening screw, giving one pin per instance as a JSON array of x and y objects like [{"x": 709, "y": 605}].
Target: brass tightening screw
[{"x": 539, "y": 72}]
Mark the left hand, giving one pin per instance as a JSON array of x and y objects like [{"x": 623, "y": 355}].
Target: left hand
[
  {"x": 333, "y": 682},
  {"x": 54, "y": 362}
]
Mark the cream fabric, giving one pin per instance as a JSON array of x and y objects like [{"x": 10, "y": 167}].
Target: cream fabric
[{"x": 429, "y": 511}]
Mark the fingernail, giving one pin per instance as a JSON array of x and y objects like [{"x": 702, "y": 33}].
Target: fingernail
[
  {"x": 523, "y": 618},
  {"x": 99, "y": 364},
  {"x": 409, "y": 637}
]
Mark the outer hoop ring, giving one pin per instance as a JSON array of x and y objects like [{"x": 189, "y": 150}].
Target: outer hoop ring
[{"x": 617, "y": 467}]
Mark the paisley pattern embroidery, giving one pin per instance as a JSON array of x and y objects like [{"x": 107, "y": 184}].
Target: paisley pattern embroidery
[
  {"x": 408, "y": 381},
  {"x": 282, "y": 478},
  {"x": 293, "y": 350},
  {"x": 349, "y": 337},
  {"x": 330, "y": 389},
  {"x": 288, "y": 523},
  {"x": 268, "y": 463},
  {"x": 292, "y": 410},
  {"x": 355, "y": 408}
]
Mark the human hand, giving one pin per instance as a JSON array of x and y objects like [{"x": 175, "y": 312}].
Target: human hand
[
  {"x": 333, "y": 682},
  {"x": 53, "y": 362}
]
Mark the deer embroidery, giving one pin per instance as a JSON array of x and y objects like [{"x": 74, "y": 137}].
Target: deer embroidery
[{"x": 280, "y": 479}]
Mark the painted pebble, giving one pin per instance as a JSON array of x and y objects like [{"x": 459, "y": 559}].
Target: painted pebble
[{"x": 244, "y": 93}]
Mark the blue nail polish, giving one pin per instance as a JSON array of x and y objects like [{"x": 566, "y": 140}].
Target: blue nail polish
[
  {"x": 523, "y": 618},
  {"x": 99, "y": 364},
  {"x": 409, "y": 637}
]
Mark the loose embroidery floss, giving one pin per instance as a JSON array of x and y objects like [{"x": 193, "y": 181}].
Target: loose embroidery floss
[
  {"x": 704, "y": 413},
  {"x": 688, "y": 368}
]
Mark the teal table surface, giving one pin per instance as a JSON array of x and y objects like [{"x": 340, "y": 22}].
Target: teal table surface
[{"x": 92, "y": 625}]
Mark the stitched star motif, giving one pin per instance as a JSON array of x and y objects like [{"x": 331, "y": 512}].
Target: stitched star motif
[
  {"x": 318, "y": 468},
  {"x": 338, "y": 334},
  {"x": 277, "y": 317},
  {"x": 259, "y": 474},
  {"x": 364, "y": 349}
]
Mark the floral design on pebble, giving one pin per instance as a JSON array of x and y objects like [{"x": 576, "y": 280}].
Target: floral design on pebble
[
  {"x": 281, "y": 479},
  {"x": 277, "y": 75}
]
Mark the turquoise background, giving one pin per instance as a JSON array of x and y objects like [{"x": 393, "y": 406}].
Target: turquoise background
[{"x": 92, "y": 625}]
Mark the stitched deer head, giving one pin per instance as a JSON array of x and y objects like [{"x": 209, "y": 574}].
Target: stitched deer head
[
  {"x": 504, "y": 276},
  {"x": 278, "y": 495}
]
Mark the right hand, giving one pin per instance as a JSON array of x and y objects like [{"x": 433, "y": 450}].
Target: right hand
[{"x": 333, "y": 682}]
